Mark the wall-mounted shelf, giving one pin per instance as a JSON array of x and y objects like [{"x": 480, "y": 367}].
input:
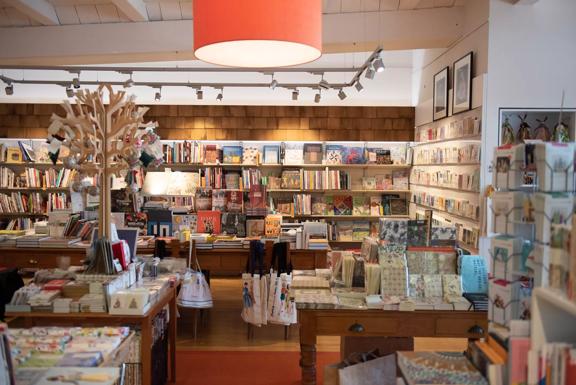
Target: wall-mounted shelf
[
  {"x": 446, "y": 188},
  {"x": 447, "y": 164},
  {"x": 553, "y": 318},
  {"x": 468, "y": 138},
  {"x": 338, "y": 191},
  {"x": 455, "y": 215},
  {"x": 23, "y": 189}
]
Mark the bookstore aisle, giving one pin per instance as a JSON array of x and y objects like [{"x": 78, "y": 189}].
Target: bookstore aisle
[{"x": 287, "y": 192}]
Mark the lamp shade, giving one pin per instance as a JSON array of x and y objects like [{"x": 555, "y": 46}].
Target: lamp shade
[{"x": 257, "y": 33}]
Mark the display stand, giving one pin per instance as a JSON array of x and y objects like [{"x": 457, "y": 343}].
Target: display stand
[{"x": 143, "y": 322}]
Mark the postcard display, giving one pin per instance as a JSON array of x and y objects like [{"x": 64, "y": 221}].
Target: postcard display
[
  {"x": 232, "y": 186},
  {"x": 532, "y": 212},
  {"x": 445, "y": 175}
]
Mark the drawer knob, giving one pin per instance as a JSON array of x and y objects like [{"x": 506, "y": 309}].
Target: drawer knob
[
  {"x": 33, "y": 262},
  {"x": 476, "y": 330},
  {"x": 356, "y": 328}
]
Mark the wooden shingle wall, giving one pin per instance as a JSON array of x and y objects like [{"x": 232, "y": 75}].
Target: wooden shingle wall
[{"x": 241, "y": 122}]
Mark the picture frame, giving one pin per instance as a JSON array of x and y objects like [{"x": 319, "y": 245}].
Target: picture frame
[
  {"x": 462, "y": 84},
  {"x": 440, "y": 94}
]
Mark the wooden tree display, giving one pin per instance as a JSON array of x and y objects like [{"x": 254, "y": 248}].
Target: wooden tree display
[{"x": 103, "y": 139}]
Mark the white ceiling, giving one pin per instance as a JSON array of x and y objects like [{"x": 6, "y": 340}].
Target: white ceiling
[{"x": 15, "y": 13}]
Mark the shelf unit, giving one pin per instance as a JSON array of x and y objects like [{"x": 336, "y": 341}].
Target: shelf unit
[
  {"x": 445, "y": 188},
  {"x": 455, "y": 215},
  {"x": 553, "y": 318},
  {"x": 465, "y": 138},
  {"x": 446, "y": 164}
]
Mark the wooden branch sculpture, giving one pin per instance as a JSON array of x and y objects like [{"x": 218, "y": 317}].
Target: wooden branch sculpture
[{"x": 103, "y": 140}]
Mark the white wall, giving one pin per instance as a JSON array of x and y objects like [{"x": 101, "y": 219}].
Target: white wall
[
  {"x": 531, "y": 59},
  {"x": 430, "y": 61}
]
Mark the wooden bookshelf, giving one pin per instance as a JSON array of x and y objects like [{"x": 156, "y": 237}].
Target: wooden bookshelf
[
  {"x": 344, "y": 217},
  {"x": 22, "y": 214},
  {"x": 338, "y": 191},
  {"x": 35, "y": 189},
  {"x": 447, "y": 164},
  {"x": 313, "y": 166}
]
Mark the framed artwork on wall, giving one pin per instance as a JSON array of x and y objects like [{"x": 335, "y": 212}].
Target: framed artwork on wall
[
  {"x": 462, "y": 94},
  {"x": 440, "y": 99}
]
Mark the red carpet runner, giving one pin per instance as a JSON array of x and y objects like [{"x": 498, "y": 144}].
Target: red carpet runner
[{"x": 244, "y": 368}]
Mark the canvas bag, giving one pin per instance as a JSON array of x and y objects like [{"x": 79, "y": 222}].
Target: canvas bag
[
  {"x": 195, "y": 292},
  {"x": 254, "y": 287},
  {"x": 362, "y": 368},
  {"x": 281, "y": 308}
]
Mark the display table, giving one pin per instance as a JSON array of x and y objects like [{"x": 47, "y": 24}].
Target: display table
[
  {"x": 381, "y": 323},
  {"x": 143, "y": 322},
  {"x": 218, "y": 261}
]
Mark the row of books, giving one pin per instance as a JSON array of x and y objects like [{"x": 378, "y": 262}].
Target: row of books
[
  {"x": 23, "y": 153},
  {"x": 32, "y": 177},
  {"x": 290, "y": 153},
  {"x": 447, "y": 178},
  {"x": 76, "y": 227},
  {"x": 460, "y": 153},
  {"x": 456, "y": 128},
  {"x": 18, "y": 202},
  {"x": 351, "y": 230},
  {"x": 17, "y": 224},
  {"x": 460, "y": 207},
  {"x": 357, "y": 205}
]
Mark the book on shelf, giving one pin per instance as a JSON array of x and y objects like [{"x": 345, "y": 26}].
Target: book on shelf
[
  {"x": 28, "y": 153},
  {"x": 360, "y": 230},
  {"x": 250, "y": 155},
  {"x": 203, "y": 199},
  {"x": 272, "y": 225},
  {"x": 291, "y": 179},
  {"x": 209, "y": 222},
  {"x": 293, "y": 153},
  {"x": 250, "y": 177},
  {"x": 232, "y": 180},
  {"x": 234, "y": 224},
  {"x": 184, "y": 222},
  {"x": 13, "y": 155},
  {"x": 368, "y": 183},
  {"x": 333, "y": 154},
  {"x": 254, "y": 227},
  {"x": 302, "y": 204},
  {"x": 234, "y": 201},
  {"x": 219, "y": 202},
  {"x": 232, "y": 154},
  {"x": 318, "y": 205},
  {"x": 312, "y": 153},
  {"x": 384, "y": 182},
  {"x": 360, "y": 205},
  {"x": 344, "y": 230},
  {"x": 352, "y": 155},
  {"x": 212, "y": 154},
  {"x": 271, "y": 154},
  {"x": 400, "y": 180},
  {"x": 343, "y": 204},
  {"x": 376, "y": 206}
]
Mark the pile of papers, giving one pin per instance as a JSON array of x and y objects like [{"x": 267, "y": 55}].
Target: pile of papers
[
  {"x": 42, "y": 301},
  {"x": 30, "y": 240},
  {"x": 62, "y": 305},
  {"x": 93, "y": 303}
]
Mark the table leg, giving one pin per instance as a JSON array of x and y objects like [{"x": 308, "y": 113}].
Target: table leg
[
  {"x": 172, "y": 337},
  {"x": 308, "y": 363},
  {"x": 146, "y": 351}
]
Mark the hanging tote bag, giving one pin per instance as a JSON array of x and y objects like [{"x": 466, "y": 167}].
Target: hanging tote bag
[
  {"x": 253, "y": 301},
  {"x": 195, "y": 292}
]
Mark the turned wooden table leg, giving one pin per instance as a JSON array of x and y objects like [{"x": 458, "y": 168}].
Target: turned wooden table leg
[{"x": 308, "y": 364}]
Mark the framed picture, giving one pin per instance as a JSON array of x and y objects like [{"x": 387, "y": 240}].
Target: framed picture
[
  {"x": 440, "y": 100},
  {"x": 462, "y": 94}
]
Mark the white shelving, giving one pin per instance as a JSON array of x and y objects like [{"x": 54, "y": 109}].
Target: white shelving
[{"x": 553, "y": 318}]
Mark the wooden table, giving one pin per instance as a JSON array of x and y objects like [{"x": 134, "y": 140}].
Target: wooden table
[
  {"x": 381, "y": 323},
  {"x": 218, "y": 261},
  {"x": 144, "y": 322}
]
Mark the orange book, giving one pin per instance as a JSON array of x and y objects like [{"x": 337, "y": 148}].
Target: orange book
[
  {"x": 499, "y": 349},
  {"x": 490, "y": 353}
]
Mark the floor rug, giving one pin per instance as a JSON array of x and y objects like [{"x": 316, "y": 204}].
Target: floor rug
[{"x": 244, "y": 368}]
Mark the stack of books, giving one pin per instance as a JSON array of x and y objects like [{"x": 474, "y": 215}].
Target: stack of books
[
  {"x": 30, "y": 240},
  {"x": 93, "y": 303}
]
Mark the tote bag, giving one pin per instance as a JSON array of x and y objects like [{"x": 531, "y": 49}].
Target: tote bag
[{"x": 195, "y": 292}]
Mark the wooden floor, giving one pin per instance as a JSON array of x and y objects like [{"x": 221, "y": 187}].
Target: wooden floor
[{"x": 222, "y": 328}]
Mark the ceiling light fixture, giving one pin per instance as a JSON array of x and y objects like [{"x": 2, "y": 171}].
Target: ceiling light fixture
[
  {"x": 9, "y": 89},
  {"x": 69, "y": 91},
  {"x": 295, "y": 94},
  {"x": 199, "y": 94},
  {"x": 220, "y": 95},
  {"x": 273, "y": 83},
  {"x": 359, "y": 87},
  {"x": 318, "y": 97},
  {"x": 291, "y": 34},
  {"x": 370, "y": 73},
  {"x": 76, "y": 82},
  {"x": 342, "y": 95},
  {"x": 324, "y": 84},
  {"x": 158, "y": 94},
  {"x": 378, "y": 65},
  {"x": 129, "y": 82}
]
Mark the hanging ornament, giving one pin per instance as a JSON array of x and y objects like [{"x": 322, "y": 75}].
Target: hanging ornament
[
  {"x": 561, "y": 134},
  {"x": 524, "y": 130},
  {"x": 93, "y": 191},
  {"x": 77, "y": 186},
  {"x": 542, "y": 132},
  {"x": 507, "y": 132},
  {"x": 70, "y": 162}
]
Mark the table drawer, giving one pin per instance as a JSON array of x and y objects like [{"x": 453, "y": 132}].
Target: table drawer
[
  {"x": 461, "y": 327},
  {"x": 356, "y": 326}
]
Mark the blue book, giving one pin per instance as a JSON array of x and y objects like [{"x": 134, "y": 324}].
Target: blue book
[
  {"x": 232, "y": 154},
  {"x": 353, "y": 155}
]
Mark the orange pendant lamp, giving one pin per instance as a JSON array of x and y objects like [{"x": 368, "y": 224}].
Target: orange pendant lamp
[{"x": 258, "y": 33}]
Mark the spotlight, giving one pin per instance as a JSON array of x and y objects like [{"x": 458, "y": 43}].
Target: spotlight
[
  {"x": 370, "y": 73},
  {"x": 9, "y": 89},
  {"x": 273, "y": 83},
  {"x": 69, "y": 92},
  {"x": 342, "y": 95},
  {"x": 158, "y": 95},
  {"x": 76, "y": 82},
  {"x": 220, "y": 95},
  {"x": 295, "y": 94},
  {"x": 129, "y": 83},
  {"x": 378, "y": 65},
  {"x": 317, "y": 97},
  {"x": 359, "y": 87},
  {"x": 324, "y": 84},
  {"x": 199, "y": 94}
]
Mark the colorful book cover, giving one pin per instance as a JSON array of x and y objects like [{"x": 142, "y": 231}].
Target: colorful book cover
[
  {"x": 360, "y": 230},
  {"x": 345, "y": 231},
  {"x": 255, "y": 227},
  {"x": 375, "y": 206},
  {"x": 518, "y": 348},
  {"x": 203, "y": 199},
  {"x": 219, "y": 200},
  {"x": 352, "y": 155},
  {"x": 250, "y": 155},
  {"x": 273, "y": 225},
  {"x": 417, "y": 230},
  {"x": 400, "y": 180},
  {"x": 333, "y": 154},
  {"x": 271, "y": 154},
  {"x": 369, "y": 183},
  {"x": 329, "y": 199},
  {"x": 318, "y": 205},
  {"x": 312, "y": 153},
  {"x": 394, "y": 231},
  {"x": 184, "y": 222},
  {"x": 232, "y": 154},
  {"x": 212, "y": 154},
  {"x": 232, "y": 180},
  {"x": 384, "y": 182},
  {"x": 293, "y": 153},
  {"x": 234, "y": 224},
  {"x": 209, "y": 222},
  {"x": 343, "y": 205},
  {"x": 234, "y": 201},
  {"x": 433, "y": 368},
  {"x": 360, "y": 205}
]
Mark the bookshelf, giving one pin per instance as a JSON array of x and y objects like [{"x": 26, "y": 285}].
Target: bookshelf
[
  {"x": 446, "y": 166},
  {"x": 553, "y": 318}
]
